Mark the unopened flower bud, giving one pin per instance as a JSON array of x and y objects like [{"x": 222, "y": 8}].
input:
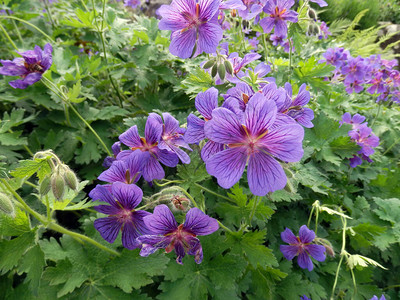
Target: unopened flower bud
[
  {"x": 6, "y": 205},
  {"x": 312, "y": 14},
  {"x": 70, "y": 179},
  {"x": 228, "y": 66},
  {"x": 214, "y": 70},
  {"x": 221, "y": 71},
  {"x": 57, "y": 185},
  {"x": 327, "y": 244},
  {"x": 180, "y": 202},
  {"x": 44, "y": 187},
  {"x": 313, "y": 29},
  {"x": 209, "y": 64}
]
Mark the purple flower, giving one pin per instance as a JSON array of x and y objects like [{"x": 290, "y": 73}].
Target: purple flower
[
  {"x": 132, "y": 3},
  {"x": 238, "y": 63},
  {"x": 172, "y": 137},
  {"x": 353, "y": 85},
  {"x": 116, "y": 149},
  {"x": 127, "y": 170},
  {"x": 354, "y": 69},
  {"x": 30, "y": 66},
  {"x": 168, "y": 235},
  {"x": 256, "y": 140},
  {"x": 304, "y": 297},
  {"x": 279, "y": 12},
  {"x": 194, "y": 26},
  {"x": 321, "y": 3},
  {"x": 302, "y": 247},
  {"x": 364, "y": 137},
  {"x": 294, "y": 108},
  {"x": 324, "y": 31},
  {"x": 376, "y": 298},
  {"x": 122, "y": 216},
  {"x": 205, "y": 103},
  {"x": 238, "y": 96},
  {"x": 356, "y": 120},
  {"x": 336, "y": 57},
  {"x": 150, "y": 154}
]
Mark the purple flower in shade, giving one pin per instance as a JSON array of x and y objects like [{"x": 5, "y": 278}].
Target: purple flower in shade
[
  {"x": 294, "y": 107},
  {"x": 304, "y": 297},
  {"x": 355, "y": 69},
  {"x": 336, "y": 57},
  {"x": 355, "y": 161},
  {"x": 205, "y": 103},
  {"x": 172, "y": 137},
  {"x": 377, "y": 84},
  {"x": 122, "y": 216},
  {"x": 276, "y": 40},
  {"x": 353, "y": 85},
  {"x": 132, "y": 3},
  {"x": 302, "y": 247},
  {"x": 364, "y": 137},
  {"x": 321, "y": 3},
  {"x": 30, "y": 66},
  {"x": 324, "y": 31},
  {"x": 194, "y": 26},
  {"x": 150, "y": 154},
  {"x": 116, "y": 149},
  {"x": 127, "y": 170},
  {"x": 279, "y": 12},
  {"x": 253, "y": 139},
  {"x": 168, "y": 235},
  {"x": 376, "y": 298},
  {"x": 356, "y": 120}
]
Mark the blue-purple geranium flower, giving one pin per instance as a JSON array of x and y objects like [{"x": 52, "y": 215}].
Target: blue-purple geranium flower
[
  {"x": 127, "y": 170},
  {"x": 253, "y": 139},
  {"x": 168, "y": 235},
  {"x": 279, "y": 13},
  {"x": 376, "y": 298},
  {"x": 150, "y": 154},
  {"x": 116, "y": 149},
  {"x": 30, "y": 66},
  {"x": 205, "y": 103},
  {"x": 301, "y": 246},
  {"x": 193, "y": 24},
  {"x": 122, "y": 199}
]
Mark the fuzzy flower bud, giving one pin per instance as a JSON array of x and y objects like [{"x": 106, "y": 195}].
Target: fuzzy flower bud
[
  {"x": 180, "y": 203},
  {"x": 327, "y": 244},
  {"x": 6, "y": 205},
  {"x": 70, "y": 179},
  {"x": 44, "y": 187},
  {"x": 57, "y": 185}
]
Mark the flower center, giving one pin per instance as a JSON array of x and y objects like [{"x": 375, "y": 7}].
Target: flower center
[
  {"x": 193, "y": 20},
  {"x": 36, "y": 67},
  {"x": 278, "y": 13},
  {"x": 179, "y": 235},
  {"x": 125, "y": 215},
  {"x": 145, "y": 146}
]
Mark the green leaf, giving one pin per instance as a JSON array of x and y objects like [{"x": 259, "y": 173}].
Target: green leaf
[
  {"x": 10, "y": 226},
  {"x": 33, "y": 263},
  {"x": 74, "y": 93},
  {"x": 12, "y": 139},
  {"x": 11, "y": 251},
  {"x": 251, "y": 245},
  {"x": 29, "y": 167},
  {"x": 193, "y": 172}
]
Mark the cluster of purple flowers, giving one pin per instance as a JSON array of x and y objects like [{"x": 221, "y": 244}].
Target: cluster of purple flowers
[
  {"x": 302, "y": 247},
  {"x": 363, "y": 136},
  {"x": 29, "y": 67},
  {"x": 197, "y": 25},
  {"x": 250, "y": 128},
  {"x": 373, "y": 73}
]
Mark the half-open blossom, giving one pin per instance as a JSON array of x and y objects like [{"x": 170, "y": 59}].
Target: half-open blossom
[
  {"x": 122, "y": 216},
  {"x": 205, "y": 103},
  {"x": 172, "y": 137},
  {"x": 279, "y": 13},
  {"x": 376, "y": 298},
  {"x": 30, "y": 66},
  {"x": 301, "y": 246},
  {"x": 168, "y": 235},
  {"x": 193, "y": 24},
  {"x": 132, "y": 3},
  {"x": 150, "y": 154},
  {"x": 127, "y": 170},
  {"x": 295, "y": 109},
  {"x": 254, "y": 140},
  {"x": 116, "y": 149}
]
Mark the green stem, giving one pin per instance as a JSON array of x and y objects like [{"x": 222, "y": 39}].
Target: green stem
[
  {"x": 48, "y": 209},
  {"x": 224, "y": 227},
  {"x": 30, "y": 24},
  {"x": 353, "y": 277},
  {"x": 391, "y": 146},
  {"x": 31, "y": 184},
  {"x": 377, "y": 115},
  {"x": 253, "y": 211},
  {"x": 91, "y": 129},
  {"x": 49, "y": 14},
  {"x": 316, "y": 221},
  {"x": 79, "y": 236},
  {"x": 66, "y": 112},
  {"x": 63, "y": 97},
  {"x": 54, "y": 226},
  {"x": 265, "y": 47},
  {"x": 290, "y": 60},
  {"x": 170, "y": 182},
  {"x": 309, "y": 218},
  {"x": 16, "y": 29},
  {"x": 214, "y": 193},
  {"x": 8, "y": 37},
  {"x": 342, "y": 254}
]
